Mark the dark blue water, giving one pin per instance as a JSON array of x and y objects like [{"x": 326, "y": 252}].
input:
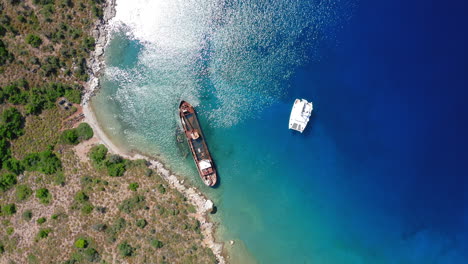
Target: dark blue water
[{"x": 391, "y": 95}]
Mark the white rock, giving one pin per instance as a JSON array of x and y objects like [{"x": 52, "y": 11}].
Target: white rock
[{"x": 208, "y": 205}]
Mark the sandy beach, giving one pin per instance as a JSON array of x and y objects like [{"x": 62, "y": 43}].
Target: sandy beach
[{"x": 203, "y": 205}]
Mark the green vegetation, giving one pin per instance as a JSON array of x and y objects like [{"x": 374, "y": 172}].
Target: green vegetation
[
  {"x": 81, "y": 243},
  {"x": 69, "y": 136},
  {"x": 33, "y": 40},
  {"x": 8, "y": 209},
  {"x": 156, "y": 243},
  {"x": 115, "y": 165},
  {"x": 43, "y": 195},
  {"x": 81, "y": 197},
  {"x": 141, "y": 223},
  {"x": 46, "y": 162},
  {"x": 12, "y": 123},
  {"x": 2, "y": 248},
  {"x": 41, "y": 220},
  {"x": 10, "y": 230},
  {"x": 133, "y": 186},
  {"x": 87, "y": 208},
  {"x": 27, "y": 215},
  {"x": 7, "y": 181},
  {"x": 161, "y": 189},
  {"x": 23, "y": 192},
  {"x": 5, "y": 55},
  {"x": 98, "y": 154},
  {"x": 126, "y": 250},
  {"x": 43, "y": 233},
  {"x": 73, "y": 95},
  {"x": 131, "y": 204},
  {"x": 77, "y": 135}
]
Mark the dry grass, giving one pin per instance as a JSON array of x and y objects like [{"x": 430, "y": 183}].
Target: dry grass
[{"x": 167, "y": 215}]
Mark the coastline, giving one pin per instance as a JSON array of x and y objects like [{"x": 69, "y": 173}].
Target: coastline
[{"x": 202, "y": 204}]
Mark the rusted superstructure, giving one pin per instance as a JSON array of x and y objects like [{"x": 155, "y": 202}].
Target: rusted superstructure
[{"x": 197, "y": 144}]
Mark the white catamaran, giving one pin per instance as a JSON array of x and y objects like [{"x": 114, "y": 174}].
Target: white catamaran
[{"x": 300, "y": 114}]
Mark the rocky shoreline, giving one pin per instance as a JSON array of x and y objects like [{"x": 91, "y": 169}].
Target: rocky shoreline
[{"x": 96, "y": 63}]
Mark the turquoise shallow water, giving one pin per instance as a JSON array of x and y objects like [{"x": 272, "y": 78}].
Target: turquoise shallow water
[{"x": 369, "y": 181}]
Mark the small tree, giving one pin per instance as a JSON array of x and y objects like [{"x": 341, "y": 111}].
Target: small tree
[
  {"x": 43, "y": 233},
  {"x": 23, "y": 192},
  {"x": 116, "y": 169},
  {"x": 156, "y": 243},
  {"x": 70, "y": 136},
  {"x": 133, "y": 186},
  {"x": 27, "y": 215},
  {"x": 84, "y": 132},
  {"x": 98, "y": 154},
  {"x": 81, "y": 243},
  {"x": 81, "y": 197},
  {"x": 7, "y": 181},
  {"x": 9, "y": 209},
  {"x": 141, "y": 223},
  {"x": 126, "y": 250},
  {"x": 33, "y": 40},
  {"x": 73, "y": 95},
  {"x": 43, "y": 195}
]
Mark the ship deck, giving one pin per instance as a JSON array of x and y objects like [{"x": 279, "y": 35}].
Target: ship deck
[{"x": 199, "y": 145}]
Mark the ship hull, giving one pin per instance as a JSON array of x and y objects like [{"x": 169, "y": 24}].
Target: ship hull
[{"x": 197, "y": 144}]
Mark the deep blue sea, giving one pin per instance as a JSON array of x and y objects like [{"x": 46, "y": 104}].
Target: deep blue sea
[{"x": 379, "y": 175}]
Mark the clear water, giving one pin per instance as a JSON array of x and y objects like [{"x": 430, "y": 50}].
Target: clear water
[{"x": 359, "y": 186}]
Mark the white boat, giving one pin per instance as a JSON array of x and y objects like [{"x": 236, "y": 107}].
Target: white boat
[{"x": 300, "y": 114}]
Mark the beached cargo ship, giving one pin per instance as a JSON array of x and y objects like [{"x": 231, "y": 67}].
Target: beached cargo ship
[{"x": 197, "y": 144}]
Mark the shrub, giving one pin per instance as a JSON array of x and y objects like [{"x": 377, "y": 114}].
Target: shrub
[
  {"x": 69, "y": 136},
  {"x": 161, "y": 189},
  {"x": 13, "y": 165},
  {"x": 41, "y": 220},
  {"x": 98, "y": 154},
  {"x": 116, "y": 169},
  {"x": 134, "y": 203},
  {"x": 2, "y": 248},
  {"x": 84, "y": 132},
  {"x": 12, "y": 123},
  {"x": 81, "y": 243},
  {"x": 91, "y": 255},
  {"x": 5, "y": 152},
  {"x": 43, "y": 195},
  {"x": 88, "y": 43},
  {"x": 5, "y": 55},
  {"x": 33, "y": 40},
  {"x": 73, "y": 95},
  {"x": 81, "y": 197},
  {"x": 9, "y": 209},
  {"x": 133, "y": 186},
  {"x": 141, "y": 223},
  {"x": 87, "y": 208},
  {"x": 7, "y": 181},
  {"x": 59, "y": 178},
  {"x": 23, "y": 192},
  {"x": 43, "y": 233},
  {"x": 126, "y": 250},
  {"x": 46, "y": 162},
  {"x": 27, "y": 215},
  {"x": 156, "y": 243},
  {"x": 99, "y": 227}
]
